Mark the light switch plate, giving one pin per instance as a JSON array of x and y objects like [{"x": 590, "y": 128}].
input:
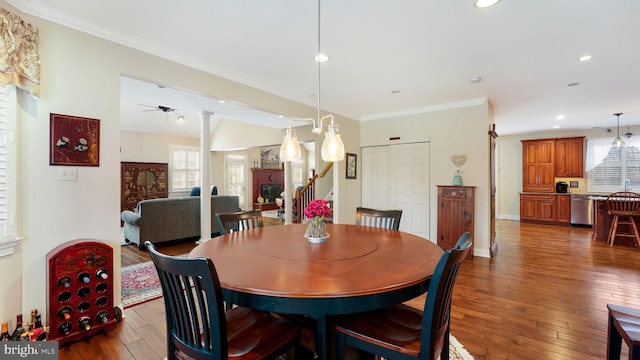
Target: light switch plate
[{"x": 68, "y": 174}]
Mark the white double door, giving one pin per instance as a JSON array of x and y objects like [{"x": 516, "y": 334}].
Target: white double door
[{"x": 397, "y": 177}]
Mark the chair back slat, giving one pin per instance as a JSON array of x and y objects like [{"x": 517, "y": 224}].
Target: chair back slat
[
  {"x": 388, "y": 219},
  {"x": 239, "y": 221},
  {"x": 196, "y": 323},
  {"x": 437, "y": 308},
  {"x": 623, "y": 203}
]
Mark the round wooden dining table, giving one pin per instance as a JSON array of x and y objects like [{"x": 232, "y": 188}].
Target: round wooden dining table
[{"x": 357, "y": 269}]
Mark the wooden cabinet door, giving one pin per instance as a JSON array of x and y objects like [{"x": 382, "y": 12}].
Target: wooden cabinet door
[
  {"x": 563, "y": 206},
  {"x": 546, "y": 166},
  {"x": 538, "y": 165},
  {"x": 455, "y": 214},
  {"x": 546, "y": 210},
  {"x": 528, "y": 206},
  {"x": 569, "y": 158}
]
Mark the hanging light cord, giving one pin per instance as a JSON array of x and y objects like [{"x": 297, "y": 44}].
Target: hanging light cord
[{"x": 319, "y": 63}]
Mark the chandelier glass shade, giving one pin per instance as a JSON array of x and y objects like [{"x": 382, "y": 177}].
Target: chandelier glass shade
[{"x": 618, "y": 142}]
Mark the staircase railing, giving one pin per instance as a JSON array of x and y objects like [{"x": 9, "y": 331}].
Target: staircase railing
[{"x": 304, "y": 196}]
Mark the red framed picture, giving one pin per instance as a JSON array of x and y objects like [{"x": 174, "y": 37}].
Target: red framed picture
[{"x": 74, "y": 141}]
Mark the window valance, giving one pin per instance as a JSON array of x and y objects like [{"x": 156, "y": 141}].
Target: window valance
[{"x": 19, "y": 58}]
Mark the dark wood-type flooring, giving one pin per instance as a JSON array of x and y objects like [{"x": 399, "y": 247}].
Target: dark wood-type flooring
[{"x": 543, "y": 297}]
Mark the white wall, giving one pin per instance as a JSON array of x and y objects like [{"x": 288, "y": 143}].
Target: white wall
[{"x": 462, "y": 130}]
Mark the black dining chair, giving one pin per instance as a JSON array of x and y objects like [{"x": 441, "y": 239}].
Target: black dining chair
[
  {"x": 199, "y": 328},
  {"x": 238, "y": 221},
  {"x": 388, "y": 219},
  {"x": 402, "y": 332}
]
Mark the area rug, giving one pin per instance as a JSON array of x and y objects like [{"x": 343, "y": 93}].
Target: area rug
[
  {"x": 457, "y": 351},
  {"x": 140, "y": 283}
]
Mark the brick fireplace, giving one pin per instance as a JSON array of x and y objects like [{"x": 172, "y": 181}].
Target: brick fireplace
[{"x": 267, "y": 183}]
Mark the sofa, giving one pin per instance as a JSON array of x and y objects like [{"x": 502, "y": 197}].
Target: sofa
[{"x": 158, "y": 220}]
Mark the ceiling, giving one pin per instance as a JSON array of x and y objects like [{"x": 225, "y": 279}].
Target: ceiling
[{"x": 393, "y": 57}]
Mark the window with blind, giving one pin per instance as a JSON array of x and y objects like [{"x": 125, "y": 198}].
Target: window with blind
[
  {"x": 7, "y": 161},
  {"x": 236, "y": 169},
  {"x": 620, "y": 165},
  {"x": 184, "y": 168}
]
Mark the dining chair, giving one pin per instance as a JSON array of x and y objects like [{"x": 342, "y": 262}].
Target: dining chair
[
  {"x": 388, "y": 219},
  {"x": 199, "y": 328},
  {"x": 238, "y": 221},
  {"x": 623, "y": 205},
  {"x": 624, "y": 324},
  {"x": 403, "y": 332}
]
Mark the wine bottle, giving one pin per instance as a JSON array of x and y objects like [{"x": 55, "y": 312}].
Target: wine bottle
[
  {"x": 34, "y": 312},
  {"x": 85, "y": 323},
  {"x": 38, "y": 323},
  {"x": 102, "y": 274},
  {"x": 19, "y": 329},
  {"x": 4, "y": 333},
  {"x": 64, "y": 328},
  {"x": 102, "y": 317},
  {"x": 65, "y": 281},
  {"x": 65, "y": 312},
  {"x": 84, "y": 277}
]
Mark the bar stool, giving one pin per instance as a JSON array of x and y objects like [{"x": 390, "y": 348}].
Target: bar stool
[
  {"x": 624, "y": 323},
  {"x": 623, "y": 205}
]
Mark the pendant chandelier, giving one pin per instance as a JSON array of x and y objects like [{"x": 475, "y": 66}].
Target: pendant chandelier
[
  {"x": 332, "y": 146},
  {"x": 618, "y": 142}
]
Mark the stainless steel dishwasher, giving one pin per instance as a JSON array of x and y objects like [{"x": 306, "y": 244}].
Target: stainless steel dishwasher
[{"x": 581, "y": 210}]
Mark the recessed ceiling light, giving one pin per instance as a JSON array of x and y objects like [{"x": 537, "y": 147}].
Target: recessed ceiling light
[
  {"x": 321, "y": 58},
  {"x": 585, "y": 58},
  {"x": 556, "y": 126},
  {"x": 483, "y": 4},
  {"x": 222, "y": 101},
  {"x": 574, "y": 84},
  {"x": 560, "y": 117},
  {"x": 475, "y": 79},
  {"x": 180, "y": 119},
  {"x": 395, "y": 91}
]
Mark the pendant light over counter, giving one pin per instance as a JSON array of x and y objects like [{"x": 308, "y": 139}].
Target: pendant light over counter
[{"x": 618, "y": 142}]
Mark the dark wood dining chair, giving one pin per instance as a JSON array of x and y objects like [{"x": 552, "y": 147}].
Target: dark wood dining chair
[
  {"x": 388, "y": 219},
  {"x": 624, "y": 324},
  {"x": 238, "y": 221},
  {"x": 623, "y": 205},
  {"x": 198, "y": 326},
  {"x": 402, "y": 332}
]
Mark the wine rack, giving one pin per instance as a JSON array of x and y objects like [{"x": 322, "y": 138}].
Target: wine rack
[{"x": 80, "y": 285}]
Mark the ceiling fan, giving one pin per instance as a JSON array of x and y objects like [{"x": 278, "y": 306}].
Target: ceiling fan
[{"x": 165, "y": 109}]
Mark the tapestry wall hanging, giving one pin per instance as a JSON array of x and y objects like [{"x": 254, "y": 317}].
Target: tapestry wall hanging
[{"x": 74, "y": 141}]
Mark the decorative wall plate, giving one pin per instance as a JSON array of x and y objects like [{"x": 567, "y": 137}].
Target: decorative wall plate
[{"x": 459, "y": 160}]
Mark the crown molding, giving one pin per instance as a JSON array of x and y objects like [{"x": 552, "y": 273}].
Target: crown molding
[{"x": 424, "y": 109}]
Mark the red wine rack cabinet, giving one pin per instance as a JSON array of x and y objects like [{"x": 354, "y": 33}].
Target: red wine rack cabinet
[{"x": 80, "y": 284}]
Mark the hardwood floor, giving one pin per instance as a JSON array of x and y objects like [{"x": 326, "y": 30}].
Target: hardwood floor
[{"x": 543, "y": 297}]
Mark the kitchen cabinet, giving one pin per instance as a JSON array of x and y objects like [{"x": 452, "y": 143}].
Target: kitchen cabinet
[
  {"x": 538, "y": 165},
  {"x": 455, "y": 214},
  {"x": 538, "y": 208},
  {"x": 569, "y": 157},
  {"x": 563, "y": 205}
]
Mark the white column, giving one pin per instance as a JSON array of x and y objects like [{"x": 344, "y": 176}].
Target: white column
[
  {"x": 288, "y": 199},
  {"x": 205, "y": 176}
]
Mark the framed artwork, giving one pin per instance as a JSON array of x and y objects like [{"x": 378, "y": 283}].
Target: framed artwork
[
  {"x": 352, "y": 162},
  {"x": 270, "y": 157},
  {"x": 74, "y": 141}
]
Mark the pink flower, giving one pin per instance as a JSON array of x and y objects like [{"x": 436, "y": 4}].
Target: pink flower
[{"x": 318, "y": 208}]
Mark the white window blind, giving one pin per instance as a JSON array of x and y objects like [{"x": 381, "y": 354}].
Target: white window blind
[
  {"x": 236, "y": 165},
  {"x": 185, "y": 168},
  {"x": 611, "y": 167}
]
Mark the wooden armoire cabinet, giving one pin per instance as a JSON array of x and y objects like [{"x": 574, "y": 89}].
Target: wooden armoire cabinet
[
  {"x": 142, "y": 181},
  {"x": 455, "y": 214}
]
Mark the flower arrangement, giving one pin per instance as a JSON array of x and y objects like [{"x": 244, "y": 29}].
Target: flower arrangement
[{"x": 316, "y": 212}]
